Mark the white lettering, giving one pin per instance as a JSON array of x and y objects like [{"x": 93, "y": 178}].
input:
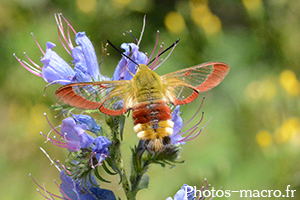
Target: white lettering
[
  {"x": 206, "y": 192},
  {"x": 227, "y": 193},
  {"x": 256, "y": 193},
  {"x": 263, "y": 194},
  {"x": 246, "y": 192},
  {"x": 269, "y": 193},
  {"x": 213, "y": 191},
  {"x": 206, "y": 195},
  {"x": 186, "y": 192},
  {"x": 221, "y": 194},
  {"x": 274, "y": 193},
  {"x": 287, "y": 190},
  {"x": 292, "y": 191}
]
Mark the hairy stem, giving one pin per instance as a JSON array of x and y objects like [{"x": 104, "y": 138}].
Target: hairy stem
[{"x": 116, "y": 125}]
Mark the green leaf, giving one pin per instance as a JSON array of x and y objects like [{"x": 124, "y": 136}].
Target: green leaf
[
  {"x": 122, "y": 124},
  {"x": 144, "y": 183}
]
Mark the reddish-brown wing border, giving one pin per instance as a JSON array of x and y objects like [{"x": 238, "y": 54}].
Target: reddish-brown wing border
[
  {"x": 185, "y": 85},
  {"x": 107, "y": 96}
]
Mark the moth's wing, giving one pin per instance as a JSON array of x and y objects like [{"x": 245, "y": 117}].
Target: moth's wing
[
  {"x": 183, "y": 86},
  {"x": 107, "y": 96}
]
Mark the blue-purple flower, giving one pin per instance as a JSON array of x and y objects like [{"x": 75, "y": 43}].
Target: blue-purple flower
[
  {"x": 186, "y": 192},
  {"x": 91, "y": 124},
  {"x": 100, "y": 149},
  {"x": 85, "y": 65},
  {"x": 75, "y": 135},
  {"x": 88, "y": 152},
  {"x": 178, "y": 137},
  {"x": 88, "y": 190},
  {"x": 76, "y": 190},
  {"x": 56, "y": 70},
  {"x": 131, "y": 50},
  {"x": 72, "y": 135}
]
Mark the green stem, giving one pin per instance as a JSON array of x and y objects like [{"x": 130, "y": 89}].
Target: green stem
[{"x": 115, "y": 124}]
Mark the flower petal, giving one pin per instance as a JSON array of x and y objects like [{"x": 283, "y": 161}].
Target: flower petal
[
  {"x": 89, "y": 121},
  {"x": 90, "y": 191},
  {"x": 175, "y": 137},
  {"x": 131, "y": 49},
  {"x": 75, "y": 135},
  {"x": 81, "y": 74},
  {"x": 101, "y": 147},
  {"x": 177, "y": 120},
  {"x": 185, "y": 193},
  {"x": 83, "y": 191},
  {"x": 67, "y": 186},
  {"x": 55, "y": 68},
  {"x": 86, "y": 54}
]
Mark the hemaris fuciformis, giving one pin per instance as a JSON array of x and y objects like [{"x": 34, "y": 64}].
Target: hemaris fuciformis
[{"x": 147, "y": 94}]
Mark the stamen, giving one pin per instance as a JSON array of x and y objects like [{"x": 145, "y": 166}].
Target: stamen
[
  {"x": 59, "y": 22},
  {"x": 38, "y": 44},
  {"x": 99, "y": 162},
  {"x": 203, "y": 188},
  {"x": 28, "y": 67},
  {"x": 154, "y": 60},
  {"x": 205, "y": 182},
  {"x": 69, "y": 25},
  {"x": 51, "y": 125},
  {"x": 42, "y": 194},
  {"x": 61, "y": 32},
  {"x": 54, "y": 82},
  {"x": 48, "y": 135},
  {"x": 93, "y": 167},
  {"x": 158, "y": 56},
  {"x": 196, "y": 125},
  {"x": 31, "y": 68},
  {"x": 191, "y": 131},
  {"x": 36, "y": 65},
  {"x": 43, "y": 188},
  {"x": 196, "y": 135},
  {"x": 185, "y": 139},
  {"x": 166, "y": 57},
  {"x": 156, "y": 42},
  {"x": 65, "y": 195},
  {"x": 62, "y": 43},
  {"x": 195, "y": 113},
  {"x": 130, "y": 33},
  {"x": 47, "y": 139},
  {"x": 46, "y": 192},
  {"x": 64, "y": 167},
  {"x": 47, "y": 155},
  {"x": 55, "y": 142},
  {"x": 142, "y": 32}
]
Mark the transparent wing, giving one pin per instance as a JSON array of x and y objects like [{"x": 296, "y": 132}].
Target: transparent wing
[
  {"x": 185, "y": 85},
  {"x": 107, "y": 96}
]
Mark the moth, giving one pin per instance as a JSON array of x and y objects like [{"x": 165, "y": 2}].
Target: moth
[{"x": 148, "y": 95}]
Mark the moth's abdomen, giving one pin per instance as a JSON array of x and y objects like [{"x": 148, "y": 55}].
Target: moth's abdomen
[{"x": 152, "y": 123}]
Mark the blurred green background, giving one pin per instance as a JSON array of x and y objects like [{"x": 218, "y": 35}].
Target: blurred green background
[{"x": 253, "y": 139}]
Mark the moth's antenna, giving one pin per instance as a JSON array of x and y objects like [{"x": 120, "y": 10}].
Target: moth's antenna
[
  {"x": 121, "y": 52},
  {"x": 166, "y": 58},
  {"x": 175, "y": 43},
  {"x": 123, "y": 55}
]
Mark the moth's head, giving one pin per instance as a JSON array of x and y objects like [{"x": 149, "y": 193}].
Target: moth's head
[{"x": 142, "y": 67}]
